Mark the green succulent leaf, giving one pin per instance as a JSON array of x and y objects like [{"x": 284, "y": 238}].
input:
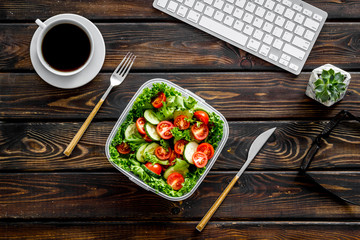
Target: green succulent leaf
[{"x": 329, "y": 86}]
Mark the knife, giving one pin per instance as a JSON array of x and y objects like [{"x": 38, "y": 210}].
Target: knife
[{"x": 254, "y": 149}]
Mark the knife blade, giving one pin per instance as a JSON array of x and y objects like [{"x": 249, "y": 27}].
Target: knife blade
[{"x": 253, "y": 151}]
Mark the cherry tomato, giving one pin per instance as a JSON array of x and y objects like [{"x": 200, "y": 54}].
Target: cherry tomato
[
  {"x": 155, "y": 168},
  {"x": 123, "y": 148},
  {"x": 162, "y": 153},
  {"x": 164, "y": 129},
  {"x": 200, "y": 132},
  {"x": 147, "y": 138},
  {"x": 202, "y": 116},
  {"x": 181, "y": 123},
  {"x": 140, "y": 125},
  {"x": 158, "y": 101},
  {"x": 175, "y": 180},
  {"x": 200, "y": 159},
  {"x": 172, "y": 158},
  {"x": 179, "y": 146},
  {"x": 206, "y": 148}
]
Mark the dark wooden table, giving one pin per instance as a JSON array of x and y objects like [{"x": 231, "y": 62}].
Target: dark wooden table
[{"x": 45, "y": 195}]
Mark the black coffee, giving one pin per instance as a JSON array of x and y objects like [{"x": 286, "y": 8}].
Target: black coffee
[{"x": 66, "y": 47}]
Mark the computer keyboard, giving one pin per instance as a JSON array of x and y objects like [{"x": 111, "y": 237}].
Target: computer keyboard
[{"x": 281, "y": 32}]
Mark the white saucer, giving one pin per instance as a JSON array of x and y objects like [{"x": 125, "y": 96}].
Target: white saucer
[{"x": 81, "y": 78}]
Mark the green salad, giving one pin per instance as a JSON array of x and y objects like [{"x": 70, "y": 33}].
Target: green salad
[{"x": 166, "y": 140}]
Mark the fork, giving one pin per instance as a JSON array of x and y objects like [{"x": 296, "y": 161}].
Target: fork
[{"x": 116, "y": 79}]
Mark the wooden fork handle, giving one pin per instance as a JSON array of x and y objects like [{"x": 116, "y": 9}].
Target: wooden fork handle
[
  {"x": 215, "y": 206},
  {"x": 83, "y": 128}
]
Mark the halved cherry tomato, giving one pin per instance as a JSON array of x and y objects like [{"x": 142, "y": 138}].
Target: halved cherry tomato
[
  {"x": 158, "y": 101},
  {"x": 172, "y": 158},
  {"x": 175, "y": 180},
  {"x": 200, "y": 159},
  {"x": 206, "y": 148},
  {"x": 147, "y": 138},
  {"x": 179, "y": 146},
  {"x": 123, "y": 148},
  {"x": 200, "y": 132},
  {"x": 202, "y": 116},
  {"x": 164, "y": 129},
  {"x": 181, "y": 123},
  {"x": 140, "y": 125},
  {"x": 155, "y": 168},
  {"x": 162, "y": 153}
]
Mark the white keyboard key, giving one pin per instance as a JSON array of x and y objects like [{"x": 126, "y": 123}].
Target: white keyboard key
[
  {"x": 240, "y": 3},
  {"x": 238, "y": 25},
  {"x": 260, "y": 11},
  {"x": 260, "y": 2},
  {"x": 287, "y": 36},
  {"x": 293, "y": 51},
  {"x": 258, "y": 22},
  {"x": 208, "y": 1},
  {"x": 277, "y": 32},
  {"x": 301, "y": 43},
  {"x": 162, "y": 3},
  {"x": 258, "y": 34},
  {"x": 286, "y": 3},
  {"x": 279, "y": 9},
  {"x": 219, "y": 28},
  {"x": 250, "y": 7},
  {"x": 273, "y": 57},
  {"x": 297, "y": 7},
  {"x": 289, "y": 26},
  {"x": 253, "y": 45},
  {"x": 193, "y": 16},
  {"x": 268, "y": 27},
  {"x": 317, "y": 17},
  {"x": 293, "y": 67},
  {"x": 218, "y": 4},
  {"x": 182, "y": 11},
  {"x": 286, "y": 57},
  {"x": 180, "y": 1},
  {"x": 269, "y": 16},
  {"x": 228, "y": 8},
  {"x": 189, "y": 3},
  {"x": 299, "y": 18},
  {"x": 283, "y": 62},
  {"x": 311, "y": 24},
  {"x": 280, "y": 21},
  {"x": 299, "y": 30},
  {"x": 289, "y": 13},
  {"x": 309, "y": 35},
  {"x": 209, "y": 11},
  {"x": 219, "y": 16},
  {"x": 248, "y": 17},
  {"x": 172, "y": 6},
  {"x": 270, "y": 4},
  {"x": 278, "y": 44},
  {"x": 229, "y": 20},
  {"x": 268, "y": 39},
  {"x": 264, "y": 50},
  {"x": 238, "y": 13},
  {"x": 248, "y": 30},
  {"x": 231, "y": 1},
  {"x": 199, "y": 6},
  {"x": 307, "y": 12}
]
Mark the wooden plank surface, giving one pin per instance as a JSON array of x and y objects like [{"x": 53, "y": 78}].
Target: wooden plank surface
[
  {"x": 182, "y": 230},
  {"x": 40, "y": 146},
  {"x": 134, "y": 9},
  {"x": 166, "y": 47},
  {"x": 236, "y": 95}
]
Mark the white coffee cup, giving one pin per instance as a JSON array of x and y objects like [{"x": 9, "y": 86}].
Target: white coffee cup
[{"x": 45, "y": 27}]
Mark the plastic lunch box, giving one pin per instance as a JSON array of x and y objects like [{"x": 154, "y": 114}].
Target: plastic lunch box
[{"x": 185, "y": 93}]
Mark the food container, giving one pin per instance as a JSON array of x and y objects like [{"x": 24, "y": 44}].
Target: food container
[{"x": 185, "y": 93}]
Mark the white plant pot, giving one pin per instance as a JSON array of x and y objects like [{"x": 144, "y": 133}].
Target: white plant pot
[{"x": 310, "y": 90}]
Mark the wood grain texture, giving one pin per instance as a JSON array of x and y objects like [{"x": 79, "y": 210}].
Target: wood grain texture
[
  {"x": 182, "y": 230},
  {"x": 100, "y": 196},
  {"x": 236, "y": 95},
  {"x": 133, "y": 9},
  {"x": 166, "y": 46},
  {"x": 39, "y": 147}
]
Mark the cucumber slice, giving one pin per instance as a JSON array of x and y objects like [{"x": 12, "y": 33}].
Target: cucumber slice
[
  {"x": 151, "y": 148},
  {"x": 189, "y": 150},
  {"x": 151, "y": 173},
  {"x": 141, "y": 152},
  {"x": 151, "y": 132},
  {"x": 150, "y": 117},
  {"x": 130, "y": 130}
]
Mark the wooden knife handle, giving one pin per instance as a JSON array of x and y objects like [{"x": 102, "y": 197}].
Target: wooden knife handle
[
  {"x": 81, "y": 131},
  {"x": 215, "y": 206}
]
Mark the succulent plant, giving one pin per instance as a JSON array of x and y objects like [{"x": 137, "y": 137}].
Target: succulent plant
[{"x": 329, "y": 86}]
